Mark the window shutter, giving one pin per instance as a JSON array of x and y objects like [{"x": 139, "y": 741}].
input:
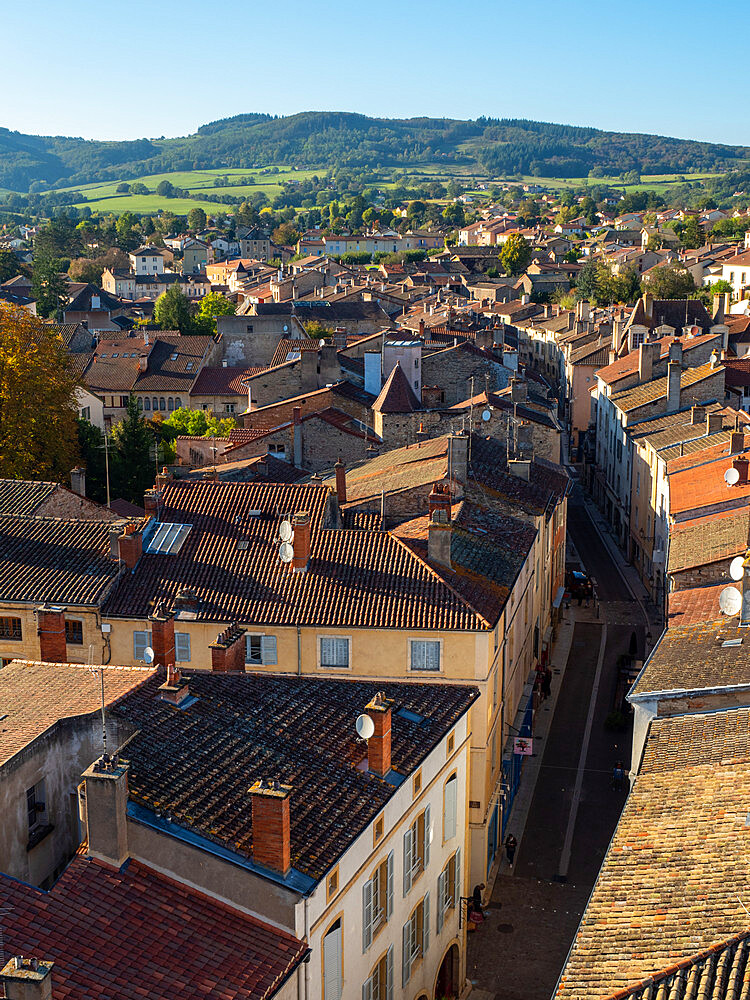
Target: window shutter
[
  {"x": 140, "y": 641},
  {"x": 268, "y": 649},
  {"x": 367, "y": 915},
  {"x": 341, "y": 647},
  {"x": 457, "y": 886},
  {"x": 326, "y": 652},
  {"x": 367, "y": 989},
  {"x": 432, "y": 657},
  {"x": 449, "y": 822},
  {"x": 332, "y": 964},
  {"x": 389, "y": 974},
  {"x": 408, "y": 853},
  {"x": 182, "y": 647},
  {"x": 417, "y": 655},
  {"x": 442, "y": 880},
  {"x": 427, "y": 836},
  {"x": 406, "y": 959},
  {"x": 426, "y": 924},
  {"x": 389, "y": 888}
]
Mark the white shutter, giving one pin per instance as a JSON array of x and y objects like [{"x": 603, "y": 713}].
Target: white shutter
[
  {"x": 408, "y": 858},
  {"x": 140, "y": 641},
  {"x": 341, "y": 647},
  {"x": 406, "y": 957},
  {"x": 427, "y": 837},
  {"x": 417, "y": 655},
  {"x": 367, "y": 915},
  {"x": 432, "y": 655},
  {"x": 442, "y": 893},
  {"x": 182, "y": 647},
  {"x": 389, "y": 974},
  {"x": 389, "y": 888},
  {"x": 426, "y": 924},
  {"x": 332, "y": 964},
  {"x": 457, "y": 885},
  {"x": 449, "y": 819},
  {"x": 367, "y": 990},
  {"x": 268, "y": 649}
]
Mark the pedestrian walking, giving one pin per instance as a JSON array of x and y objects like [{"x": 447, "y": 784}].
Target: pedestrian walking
[
  {"x": 510, "y": 848},
  {"x": 476, "y": 900},
  {"x": 618, "y": 776},
  {"x": 546, "y": 683}
]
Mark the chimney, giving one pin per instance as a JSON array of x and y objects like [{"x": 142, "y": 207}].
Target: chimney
[
  {"x": 736, "y": 442},
  {"x": 27, "y": 979},
  {"x": 51, "y": 632},
  {"x": 645, "y": 363},
  {"x": 175, "y": 690},
  {"x": 648, "y": 303},
  {"x": 713, "y": 422},
  {"x": 297, "y": 432},
  {"x": 741, "y": 464},
  {"x": 439, "y": 539},
  {"x": 130, "y": 546},
  {"x": 340, "y": 468},
  {"x": 520, "y": 467},
  {"x": 270, "y": 823},
  {"x": 675, "y": 351},
  {"x": 162, "y": 636},
  {"x": 458, "y": 456},
  {"x": 228, "y": 651},
  {"x": 421, "y": 327},
  {"x": 440, "y": 499},
  {"x": 674, "y": 372},
  {"x": 78, "y": 481},
  {"x": 103, "y": 802},
  {"x": 519, "y": 390},
  {"x": 697, "y": 415},
  {"x": 301, "y": 542},
  {"x": 152, "y": 503},
  {"x": 379, "y": 744},
  {"x": 143, "y": 361}
]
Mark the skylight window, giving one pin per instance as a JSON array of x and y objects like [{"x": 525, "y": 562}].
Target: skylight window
[
  {"x": 115, "y": 355},
  {"x": 189, "y": 365},
  {"x": 174, "y": 357},
  {"x": 168, "y": 538}
]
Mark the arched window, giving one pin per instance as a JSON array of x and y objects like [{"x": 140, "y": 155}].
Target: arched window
[
  {"x": 147, "y": 403},
  {"x": 162, "y": 403},
  {"x": 156, "y": 403},
  {"x": 177, "y": 403},
  {"x": 140, "y": 403},
  {"x": 170, "y": 403}
]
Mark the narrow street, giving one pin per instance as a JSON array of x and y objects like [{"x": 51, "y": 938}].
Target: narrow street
[{"x": 536, "y": 907}]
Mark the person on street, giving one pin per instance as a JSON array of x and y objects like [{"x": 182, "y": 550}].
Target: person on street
[
  {"x": 476, "y": 899},
  {"x": 546, "y": 684},
  {"x": 618, "y": 776},
  {"x": 510, "y": 848}
]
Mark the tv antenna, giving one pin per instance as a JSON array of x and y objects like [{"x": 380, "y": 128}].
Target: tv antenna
[{"x": 99, "y": 670}]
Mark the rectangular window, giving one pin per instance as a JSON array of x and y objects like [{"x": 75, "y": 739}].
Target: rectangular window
[
  {"x": 140, "y": 641},
  {"x": 424, "y": 654},
  {"x": 450, "y": 804},
  {"x": 377, "y": 901},
  {"x": 260, "y": 649},
  {"x": 380, "y": 984},
  {"x": 36, "y": 807},
  {"x": 10, "y": 628},
  {"x": 182, "y": 647},
  {"x": 417, "y": 849},
  {"x": 449, "y": 889},
  {"x": 334, "y": 652},
  {"x": 73, "y": 632},
  {"x": 416, "y": 938}
]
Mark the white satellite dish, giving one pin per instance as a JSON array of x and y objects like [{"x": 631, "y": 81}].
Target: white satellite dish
[
  {"x": 286, "y": 328},
  {"x": 731, "y": 476},
  {"x": 286, "y": 534},
  {"x": 286, "y": 552},
  {"x": 730, "y": 601},
  {"x": 737, "y": 568},
  {"x": 321, "y": 342},
  {"x": 486, "y": 415},
  {"x": 148, "y": 655},
  {"x": 365, "y": 727}
]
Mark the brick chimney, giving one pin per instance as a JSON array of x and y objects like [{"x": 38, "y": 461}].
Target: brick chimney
[
  {"x": 340, "y": 482},
  {"x": 674, "y": 373},
  {"x": 697, "y": 415},
  {"x": 51, "y": 632},
  {"x": 301, "y": 543},
  {"x": 379, "y": 744},
  {"x": 228, "y": 651},
  {"x": 27, "y": 979},
  {"x": 439, "y": 539},
  {"x": 152, "y": 503},
  {"x": 175, "y": 690},
  {"x": 103, "y": 802},
  {"x": 440, "y": 498},
  {"x": 78, "y": 481},
  {"x": 271, "y": 828},
  {"x": 741, "y": 464},
  {"x": 713, "y": 422},
  {"x": 130, "y": 546},
  {"x": 162, "y": 636},
  {"x": 736, "y": 442}
]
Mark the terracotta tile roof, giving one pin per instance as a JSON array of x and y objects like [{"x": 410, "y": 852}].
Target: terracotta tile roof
[
  {"x": 126, "y": 509},
  {"x": 198, "y": 763},
  {"x": 397, "y": 395},
  {"x": 134, "y": 933},
  {"x": 708, "y": 539},
  {"x": 263, "y": 468},
  {"x": 55, "y": 560},
  {"x": 648, "y": 392},
  {"x": 35, "y": 696},
  {"x": 715, "y": 446},
  {"x": 220, "y": 381},
  {"x": 628, "y": 365},
  {"x": 695, "y": 604},
  {"x": 675, "y": 875},
  {"x": 21, "y": 496},
  {"x": 287, "y": 346},
  {"x": 355, "y": 578},
  {"x": 696, "y": 482},
  {"x": 167, "y": 373},
  {"x": 737, "y": 371}
]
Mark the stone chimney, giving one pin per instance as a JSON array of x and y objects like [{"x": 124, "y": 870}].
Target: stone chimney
[
  {"x": 51, "y": 632},
  {"x": 301, "y": 542},
  {"x": 648, "y": 304},
  {"x": 103, "y": 805},
  {"x": 645, "y": 363},
  {"x": 379, "y": 744},
  {"x": 27, "y": 979},
  {"x": 78, "y": 481},
  {"x": 458, "y": 456},
  {"x": 675, "y": 351},
  {"x": 674, "y": 372},
  {"x": 519, "y": 390},
  {"x": 161, "y": 622},
  {"x": 340, "y": 468},
  {"x": 741, "y": 465},
  {"x": 228, "y": 651},
  {"x": 152, "y": 503},
  {"x": 439, "y": 539},
  {"x": 697, "y": 415},
  {"x": 271, "y": 827},
  {"x": 130, "y": 546},
  {"x": 736, "y": 442},
  {"x": 714, "y": 422}
]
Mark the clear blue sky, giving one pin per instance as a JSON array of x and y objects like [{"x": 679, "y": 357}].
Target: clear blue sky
[{"x": 162, "y": 67}]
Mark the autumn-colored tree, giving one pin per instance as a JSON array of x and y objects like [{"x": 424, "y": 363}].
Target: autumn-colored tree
[
  {"x": 38, "y": 429},
  {"x": 515, "y": 254}
]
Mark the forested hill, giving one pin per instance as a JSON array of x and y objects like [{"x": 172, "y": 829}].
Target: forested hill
[{"x": 330, "y": 139}]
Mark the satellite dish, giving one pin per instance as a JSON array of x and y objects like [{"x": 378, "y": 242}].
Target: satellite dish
[
  {"x": 286, "y": 552},
  {"x": 285, "y": 531},
  {"x": 731, "y": 476},
  {"x": 148, "y": 655},
  {"x": 737, "y": 568},
  {"x": 286, "y": 328},
  {"x": 365, "y": 727},
  {"x": 486, "y": 415},
  {"x": 730, "y": 601}
]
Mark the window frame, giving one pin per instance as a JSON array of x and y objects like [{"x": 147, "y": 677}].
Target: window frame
[
  {"x": 10, "y": 632},
  {"x": 425, "y": 642},
  {"x": 335, "y": 639},
  {"x": 269, "y": 649},
  {"x": 71, "y": 634}
]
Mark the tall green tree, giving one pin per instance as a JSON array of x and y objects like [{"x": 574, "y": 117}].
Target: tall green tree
[
  {"x": 196, "y": 219},
  {"x": 48, "y": 284},
  {"x": 515, "y": 254},
  {"x": 91, "y": 447},
  {"x": 212, "y": 305},
  {"x": 9, "y": 264},
  {"x": 133, "y": 468},
  {"x": 671, "y": 281},
  {"x": 172, "y": 310}
]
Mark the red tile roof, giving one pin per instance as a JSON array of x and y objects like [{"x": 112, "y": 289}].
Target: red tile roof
[
  {"x": 628, "y": 365},
  {"x": 220, "y": 381},
  {"x": 694, "y": 605},
  {"x": 692, "y": 487},
  {"x": 134, "y": 933},
  {"x": 397, "y": 395}
]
